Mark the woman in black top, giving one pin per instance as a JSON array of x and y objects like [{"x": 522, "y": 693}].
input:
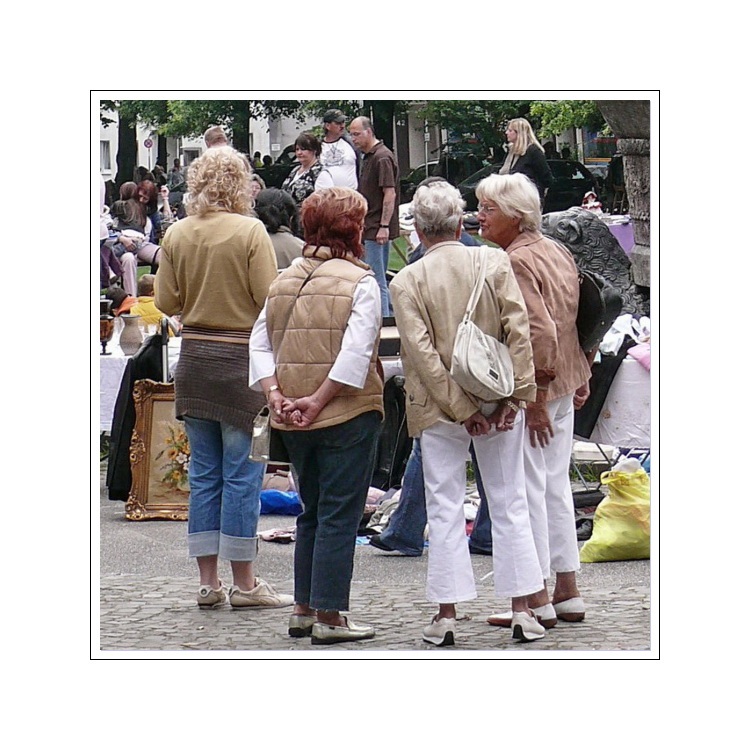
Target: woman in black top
[
  {"x": 526, "y": 156},
  {"x": 310, "y": 175}
]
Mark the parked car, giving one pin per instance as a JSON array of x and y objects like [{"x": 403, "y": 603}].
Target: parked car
[
  {"x": 412, "y": 179},
  {"x": 570, "y": 182},
  {"x": 275, "y": 175}
]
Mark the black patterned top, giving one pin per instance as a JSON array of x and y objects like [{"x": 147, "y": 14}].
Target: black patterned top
[{"x": 307, "y": 182}]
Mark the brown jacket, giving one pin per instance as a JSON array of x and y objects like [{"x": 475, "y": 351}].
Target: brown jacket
[
  {"x": 306, "y": 333},
  {"x": 548, "y": 278},
  {"x": 429, "y": 299}
]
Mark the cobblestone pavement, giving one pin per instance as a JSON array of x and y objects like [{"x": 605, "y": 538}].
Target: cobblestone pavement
[
  {"x": 147, "y": 608},
  {"x": 160, "y": 614}
]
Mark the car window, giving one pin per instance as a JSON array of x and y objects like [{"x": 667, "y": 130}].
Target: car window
[
  {"x": 473, "y": 180},
  {"x": 567, "y": 170}
]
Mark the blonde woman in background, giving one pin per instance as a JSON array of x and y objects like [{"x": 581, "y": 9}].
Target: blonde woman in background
[{"x": 526, "y": 156}]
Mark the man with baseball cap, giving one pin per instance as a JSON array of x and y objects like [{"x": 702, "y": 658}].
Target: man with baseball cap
[{"x": 339, "y": 155}]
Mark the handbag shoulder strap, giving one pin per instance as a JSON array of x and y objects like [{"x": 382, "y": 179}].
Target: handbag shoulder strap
[{"x": 476, "y": 292}]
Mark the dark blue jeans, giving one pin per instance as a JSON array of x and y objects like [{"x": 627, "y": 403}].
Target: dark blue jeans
[
  {"x": 405, "y": 530},
  {"x": 335, "y": 466}
]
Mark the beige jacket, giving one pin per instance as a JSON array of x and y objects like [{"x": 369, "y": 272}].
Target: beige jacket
[
  {"x": 548, "y": 278},
  {"x": 429, "y": 298}
]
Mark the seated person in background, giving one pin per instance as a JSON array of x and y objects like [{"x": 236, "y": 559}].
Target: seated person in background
[
  {"x": 256, "y": 185},
  {"x": 278, "y": 212},
  {"x": 132, "y": 229},
  {"x": 144, "y": 305},
  {"x": 121, "y": 300},
  {"x": 148, "y": 196}
]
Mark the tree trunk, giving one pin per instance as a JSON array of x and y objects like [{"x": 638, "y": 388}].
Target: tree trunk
[
  {"x": 127, "y": 150},
  {"x": 382, "y": 120},
  {"x": 241, "y": 128},
  {"x": 162, "y": 157}
]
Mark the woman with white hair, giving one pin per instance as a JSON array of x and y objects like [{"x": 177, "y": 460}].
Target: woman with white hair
[
  {"x": 430, "y": 299},
  {"x": 526, "y": 156},
  {"x": 510, "y": 216}
]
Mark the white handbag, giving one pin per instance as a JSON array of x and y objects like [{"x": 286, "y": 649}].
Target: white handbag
[{"x": 481, "y": 364}]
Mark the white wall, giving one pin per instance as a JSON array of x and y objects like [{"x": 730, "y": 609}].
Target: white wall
[
  {"x": 146, "y": 157},
  {"x": 284, "y": 133},
  {"x": 417, "y": 142}
]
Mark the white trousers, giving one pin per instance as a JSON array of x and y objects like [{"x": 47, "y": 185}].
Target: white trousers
[
  {"x": 450, "y": 576},
  {"x": 129, "y": 262},
  {"x": 129, "y": 265},
  {"x": 549, "y": 494}
]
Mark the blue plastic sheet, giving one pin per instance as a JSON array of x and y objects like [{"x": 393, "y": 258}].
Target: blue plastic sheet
[{"x": 278, "y": 503}]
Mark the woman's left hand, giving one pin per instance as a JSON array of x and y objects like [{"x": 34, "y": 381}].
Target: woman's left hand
[
  {"x": 276, "y": 403},
  {"x": 302, "y": 412},
  {"x": 504, "y": 417}
]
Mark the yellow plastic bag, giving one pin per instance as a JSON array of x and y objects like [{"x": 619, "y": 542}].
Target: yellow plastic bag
[{"x": 622, "y": 521}]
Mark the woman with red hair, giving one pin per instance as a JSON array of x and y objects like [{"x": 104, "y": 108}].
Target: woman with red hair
[
  {"x": 314, "y": 352},
  {"x": 137, "y": 240},
  {"x": 148, "y": 196}
]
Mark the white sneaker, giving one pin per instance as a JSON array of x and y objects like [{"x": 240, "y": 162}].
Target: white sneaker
[
  {"x": 262, "y": 596},
  {"x": 545, "y": 614},
  {"x": 440, "y": 632},
  {"x": 209, "y": 598},
  {"x": 526, "y": 627}
]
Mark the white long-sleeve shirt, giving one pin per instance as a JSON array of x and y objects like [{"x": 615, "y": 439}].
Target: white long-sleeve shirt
[{"x": 352, "y": 363}]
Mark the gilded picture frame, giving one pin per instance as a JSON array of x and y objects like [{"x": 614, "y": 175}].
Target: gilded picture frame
[{"x": 159, "y": 453}]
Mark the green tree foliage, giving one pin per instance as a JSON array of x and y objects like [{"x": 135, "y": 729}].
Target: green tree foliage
[
  {"x": 554, "y": 117},
  {"x": 130, "y": 113},
  {"x": 475, "y": 126},
  {"x": 318, "y": 107},
  {"x": 191, "y": 117},
  {"x": 478, "y": 125}
]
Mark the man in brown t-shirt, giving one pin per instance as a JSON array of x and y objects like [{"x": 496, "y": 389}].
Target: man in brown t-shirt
[{"x": 378, "y": 183}]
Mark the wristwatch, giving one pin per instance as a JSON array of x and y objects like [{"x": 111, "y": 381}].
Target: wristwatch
[
  {"x": 384, "y": 226},
  {"x": 271, "y": 390}
]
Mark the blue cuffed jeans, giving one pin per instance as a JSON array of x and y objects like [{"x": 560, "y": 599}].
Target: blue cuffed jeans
[
  {"x": 377, "y": 256},
  {"x": 405, "y": 529},
  {"x": 224, "y": 491},
  {"x": 335, "y": 467}
]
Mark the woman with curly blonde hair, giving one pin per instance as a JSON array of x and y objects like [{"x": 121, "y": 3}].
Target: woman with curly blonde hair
[
  {"x": 217, "y": 266},
  {"x": 219, "y": 180}
]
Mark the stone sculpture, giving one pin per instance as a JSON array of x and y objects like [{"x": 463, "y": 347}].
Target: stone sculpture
[{"x": 596, "y": 249}]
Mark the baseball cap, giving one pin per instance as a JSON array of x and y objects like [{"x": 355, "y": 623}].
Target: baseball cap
[{"x": 334, "y": 115}]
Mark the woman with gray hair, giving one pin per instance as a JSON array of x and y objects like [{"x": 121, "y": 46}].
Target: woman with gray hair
[
  {"x": 510, "y": 216},
  {"x": 430, "y": 299}
]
